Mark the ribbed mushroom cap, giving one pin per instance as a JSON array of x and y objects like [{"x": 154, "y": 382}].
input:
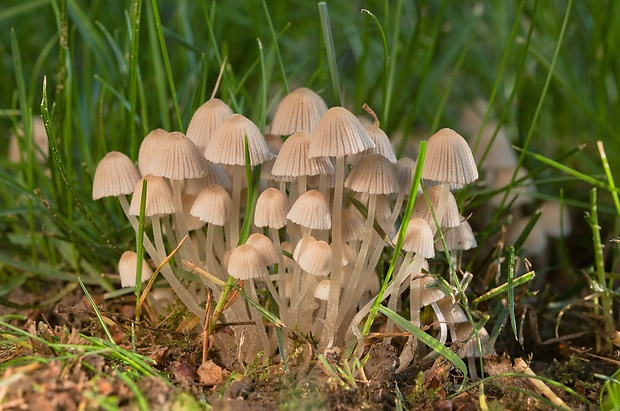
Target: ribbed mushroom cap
[
  {"x": 158, "y": 197},
  {"x": 193, "y": 223},
  {"x": 383, "y": 209},
  {"x": 383, "y": 146},
  {"x": 449, "y": 159},
  {"x": 353, "y": 225},
  {"x": 300, "y": 110},
  {"x": 271, "y": 209},
  {"x": 301, "y": 246},
  {"x": 205, "y": 120},
  {"x": 316, "y": 258},
  {"x": 311, "y": 210},
  {"x": 470, "y": 348},
  {"x": 149, "y": 149},
  {"x": 458, "y": 238},
  {"x": 114, "y": 176},
  {"x": 405, "y": 168},
  {"x": 246, "y": 262},
  {"x": 177, "y": 158},
  {"x": 227, "y": 144},
  {"x": 418, "y": 238},
  {"x": 429, "y": 292},
  {"x": 338, "y": 134},
  {"x": 214, "y": 174},
  {"x": 373, "y": 174},
  {"x": 127, "y": 269},
  {"x": 321, "y": 291},
  {"x": 293, "y": 159},
  {"x": 452, "y": 312},
  {"x": 264, "y": 246},
  {"x": 452, "y": 218},
  {"x": 274, "y": 142},
  {"x": 212, "y": 205}
]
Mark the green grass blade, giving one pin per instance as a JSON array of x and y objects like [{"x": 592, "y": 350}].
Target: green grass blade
[
  {"x": 166, "y": 58},
  {"x": 96, "y": 310},
  {"x": 610, "y": 177},
  {"x": 331, "y": 52},
  {"x": 415, "y": 185},
  {"x": 136, "y": 14},
  {"x": 510, "y": 250},
  {"x": 386, "y": 65},
  {"x": 425, "y": 338},
  {"x": 504, "y": 288},
  {"x": 276, "y": 47}
]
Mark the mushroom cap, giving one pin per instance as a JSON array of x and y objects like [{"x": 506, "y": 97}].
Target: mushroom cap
[
  {"x": 321, "y": 291},
  {"x": 536, "y": 242},
  {"x": 429, "y": 292},
  {"x": 300, "y": 110},
  {"x": 383, "y": 209},
  {"x": 271, "y": 209},
  {"x": 127, "y": 265},
  {"x": 149, "y": 148},
  {"x": 205, "y": 120},
  {"x": 452, "y": 311},
  {"x": 449, "y": 159},
  {"x": 405, "y": 168},
  {"x": 338, "y": 134},
  {"x": 115, "y": 175},
  {"x": 315, "y": 258},
  {"x": 293, "y": 159},
  {"x": 311, "y": 210},
  {"x": 193, "y": 223},
  {"x": 383, "y": 146},
  {"x": 353, "y": 224},
  {"x": 228, "y": 142},
  {"x": 177, "y": 158},
  {"x": 418, "y": 238},
  {"x": 470, "y": 348},
  {"x": 373, "y": 174},
  {"x": 158, "y": 197},
  {"x": 214, "y": 174},
  {"x": 452, "y": 218},
  {"x": 264, "y": 246},
  {"x": 245, "y": 262},
  {"x": 212, "y": 205},
  {"x": 458, "y": 238}
]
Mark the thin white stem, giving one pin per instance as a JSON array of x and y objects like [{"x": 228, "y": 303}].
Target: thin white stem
[
  {"x": 330, "y": 333},
  {"x": 443, "y": 328}
]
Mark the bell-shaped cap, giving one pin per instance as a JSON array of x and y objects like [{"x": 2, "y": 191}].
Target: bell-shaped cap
[
  {"x": 158, "y": 197},
  {"x": 205, "y": 120},
  {"x": 294, "y": 160},
  {"x": 321, "y": 291},
  {"x": 418, "y": 238},
  {"x": 458, "y": 238},
  {"x": 449, "y": 159},
  {"x": 373, "y": 174},
  {"x": 429, "y": 291},
  {"x": 316, "y": 258},
  {"x": 465, "y": 334},
  {"x": 383, "y": 145},
  {"x": 192, "y": 223},
  {"x": 300, "y": 110},
  {"x": 127, "y": 266},
  {"x": 214, "y": 174},
  {"x": 149, "y": 149},
  {"x": 177, "y": 158},
  {"x": 114, "y": 176},
  {"x": 311, "y": 210},
  {"x": 212, "y": 205},
  {"x": 338, "y": 134},
  {"x": 245, "y": 262},
  {"x": 264, "y": 246},
  {"x": 353, "y": 224},
  {"x": 271, "y": 209},
  {"x": 405, "y": 168},
  {"x": 452, "y": 218},
  {"x": 227, "y": 144}
]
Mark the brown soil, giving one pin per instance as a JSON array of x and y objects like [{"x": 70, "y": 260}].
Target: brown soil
[{"x": 35, "y": 377}]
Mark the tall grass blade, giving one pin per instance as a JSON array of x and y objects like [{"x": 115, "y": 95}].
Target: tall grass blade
[
  {"x": 96, "y": 310},
  {"x": 331, "y": 52}
]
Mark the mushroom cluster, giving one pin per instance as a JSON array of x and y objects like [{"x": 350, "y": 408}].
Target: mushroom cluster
[{"x": 330, "y": 202}]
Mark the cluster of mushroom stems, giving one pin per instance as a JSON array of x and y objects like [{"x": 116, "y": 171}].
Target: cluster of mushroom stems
[{"x": 332, "y": 195}]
